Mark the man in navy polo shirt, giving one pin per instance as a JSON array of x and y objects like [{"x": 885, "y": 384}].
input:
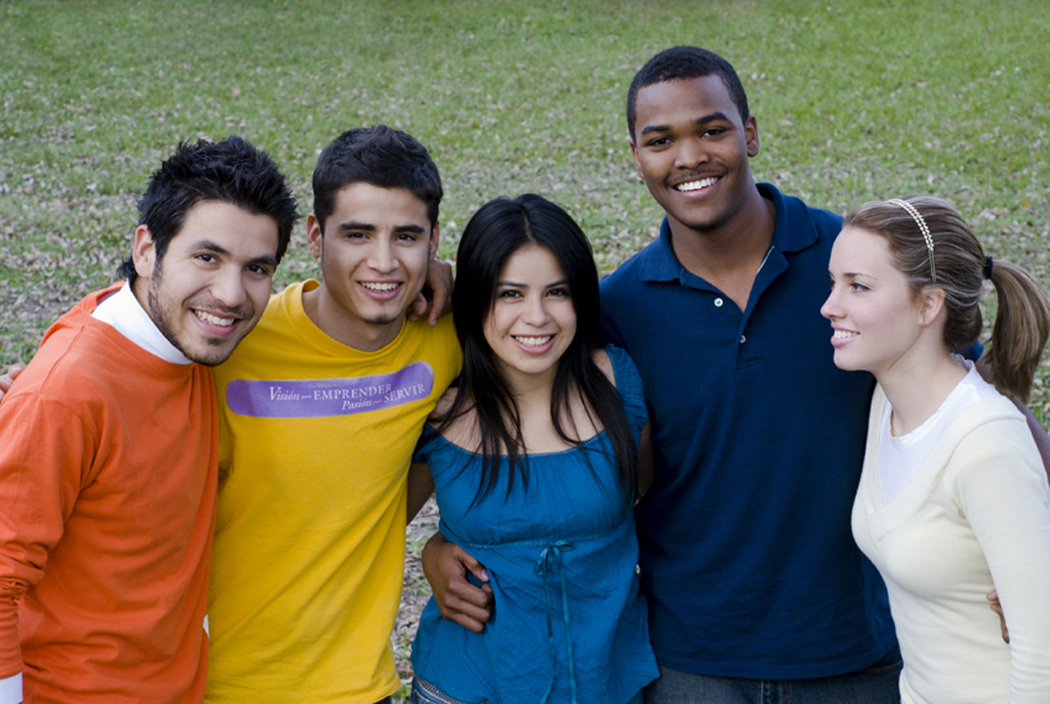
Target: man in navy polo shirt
[{"x": 755, "y": 586}]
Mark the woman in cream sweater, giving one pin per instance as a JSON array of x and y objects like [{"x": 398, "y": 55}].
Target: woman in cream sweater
[{"x": 953, "y": 500}]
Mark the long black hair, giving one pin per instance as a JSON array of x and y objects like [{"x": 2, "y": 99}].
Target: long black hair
[{"x": 498, "y": 230}]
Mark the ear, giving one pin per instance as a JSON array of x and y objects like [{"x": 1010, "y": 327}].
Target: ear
[
  {"x": 751, "y": 135},
  {"x": 634, "y": 153},
  {"x": 435, "y": 238},
  {"x": 314, "y": 236},
  {"x": 144, "y": 252},
  {"x": 931, "y": 304}
]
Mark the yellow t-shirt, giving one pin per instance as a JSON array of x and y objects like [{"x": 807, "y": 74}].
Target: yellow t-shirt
[{"x": 316, "y": 440}]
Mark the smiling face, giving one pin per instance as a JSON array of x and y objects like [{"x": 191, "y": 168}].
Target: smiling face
[
  {"x": 692, "y": 149},
  {"x": 374, "y": 252},
  {"x": 212, "y": 284},
  {"x": 875, "y": 316},
  {"x": 532, "y": 320}
]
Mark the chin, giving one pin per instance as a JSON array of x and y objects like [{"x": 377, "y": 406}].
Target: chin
[
  {"x": 848, "y": 365},
  {"x": 209, "y": 358},
  {"x": 385, "y": 319}
]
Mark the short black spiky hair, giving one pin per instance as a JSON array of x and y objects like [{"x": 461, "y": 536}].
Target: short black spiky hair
[
  {"x": 381, "y": 156},
  {"x": 683, "y": 62},
  {"x": 231, "y": 171}
]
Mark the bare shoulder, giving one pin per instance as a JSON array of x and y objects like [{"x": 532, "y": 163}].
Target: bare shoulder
[{"x": 601, "y": 360}]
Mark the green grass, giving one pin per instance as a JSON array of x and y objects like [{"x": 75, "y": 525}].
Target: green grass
[{"x": 854, "y": 100}]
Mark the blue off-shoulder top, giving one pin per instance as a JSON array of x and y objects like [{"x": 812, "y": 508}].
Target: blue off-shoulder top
[{"x": 569, "y": 623}]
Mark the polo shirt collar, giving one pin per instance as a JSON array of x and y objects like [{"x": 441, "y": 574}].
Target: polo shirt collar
[{"x": 661, "y": 264}]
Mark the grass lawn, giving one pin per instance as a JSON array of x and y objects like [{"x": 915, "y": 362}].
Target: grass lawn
[{"x": 855, "y": 100}]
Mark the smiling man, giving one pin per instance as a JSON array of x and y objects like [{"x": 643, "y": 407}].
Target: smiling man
[
  {"x": 321, "y": 409},
  {"x": 109, "y": 459},
  {"x": 755, "y": 586}
]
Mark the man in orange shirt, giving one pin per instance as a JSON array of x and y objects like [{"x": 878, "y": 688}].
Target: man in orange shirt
[{"x": 109, "y": 460}]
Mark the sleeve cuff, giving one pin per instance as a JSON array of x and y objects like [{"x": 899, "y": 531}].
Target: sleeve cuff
[{"x": 11, "y": 689}]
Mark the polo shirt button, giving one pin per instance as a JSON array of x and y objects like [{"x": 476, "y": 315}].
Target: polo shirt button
[
  {"x": 743, "y": 339},
  {"x": 718, "y": 302}
]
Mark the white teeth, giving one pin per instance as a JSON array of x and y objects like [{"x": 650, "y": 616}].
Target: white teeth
[
  {"x": 214, "y": 319},
  {"x": 844, "y": 334},
  {"x": 696, "y": 185},
  {"x": 379, "y": 288},
  {"x": 534, "y": 341}
]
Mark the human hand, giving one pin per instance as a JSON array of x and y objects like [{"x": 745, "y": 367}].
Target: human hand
[
  {"x": 9, "y": 377},
  {"x": 439, "y": 283},
  {"x": 446, "y": 566},
  {"x": 993, "y": 596}
]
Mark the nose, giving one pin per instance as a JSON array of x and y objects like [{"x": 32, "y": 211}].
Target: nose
[
  {"x": 535, "y": 313},
  {"x": 381, "y": 255},
  {"x": 228, "y": 287},
  {"x": 830, "y": 309},
  {"x": 690, "y": 153}
]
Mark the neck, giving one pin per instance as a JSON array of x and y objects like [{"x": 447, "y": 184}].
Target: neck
[
  {"x": 729, "y": 254},
  {"x": 917, "y": 388},
  {"x": 345, "y": 329},
  {"x": 140, "y": 288},
  {"x": 531, "y": 390}
]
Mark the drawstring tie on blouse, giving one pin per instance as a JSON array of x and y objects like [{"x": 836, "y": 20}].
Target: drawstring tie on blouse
[{"x": 551, "y": 553}]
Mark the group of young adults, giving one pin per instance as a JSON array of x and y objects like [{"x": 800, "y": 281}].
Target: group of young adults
[{"x": 160, "y": 465}]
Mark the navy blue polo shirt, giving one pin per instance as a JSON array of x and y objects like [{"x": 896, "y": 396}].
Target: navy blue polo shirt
[{"x": 746, "y": 553}]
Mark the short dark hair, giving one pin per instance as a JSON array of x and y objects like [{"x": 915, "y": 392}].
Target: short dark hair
[
  {"x": 680, "y": 63},
  {"x": 380, "y": 156},
  {"x": 231, "y": 171},
  {"x": 498, "y": 230}
]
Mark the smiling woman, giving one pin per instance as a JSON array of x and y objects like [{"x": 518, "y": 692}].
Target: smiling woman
[
  {"x": 953, "y": 500},
  {"x": 535, "y": 457}
]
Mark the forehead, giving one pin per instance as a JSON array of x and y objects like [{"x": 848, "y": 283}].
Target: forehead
[
  {"x": 366, "y": 203},
  {"x": 229, "y": 227},
  {"x": 532, "y": 262},
  {"x": 856, "y": 247},
  {"x": 683, "y": 100}
]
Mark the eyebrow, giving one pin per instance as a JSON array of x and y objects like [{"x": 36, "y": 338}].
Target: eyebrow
[
  {"x": 210, "y": 246},
  {"x": 369, "y": 227},
  {"x": 713, "y": 117}
]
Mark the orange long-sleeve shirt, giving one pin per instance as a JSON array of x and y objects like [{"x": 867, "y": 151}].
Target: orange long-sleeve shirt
[{"x": 108, "y": 462}]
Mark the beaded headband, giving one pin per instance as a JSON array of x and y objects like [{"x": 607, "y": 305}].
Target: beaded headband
[{"x": 910, "y": 209}]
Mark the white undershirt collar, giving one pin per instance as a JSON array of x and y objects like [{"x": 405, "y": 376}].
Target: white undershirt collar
[{"x": 124, "y": 312}]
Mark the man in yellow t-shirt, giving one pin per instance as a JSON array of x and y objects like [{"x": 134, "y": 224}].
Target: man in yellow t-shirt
[{"x": 320, "y": 410}]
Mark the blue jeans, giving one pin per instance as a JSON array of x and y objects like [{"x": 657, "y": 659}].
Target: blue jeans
[{"x": 876, "y": 684}]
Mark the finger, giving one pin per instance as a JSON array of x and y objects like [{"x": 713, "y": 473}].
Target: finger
[
  {"x": 471, "y": 563},
  {"x": 418, "y": 308},
  {"x": 469, "y": 623},
  {"x": 476, "y": 605},
  {"x": 442, "y": 294},
  {"x": 465, "y": 613},
  {"x": 463, "y": 593},
  {"x": 479, "y": 571}
]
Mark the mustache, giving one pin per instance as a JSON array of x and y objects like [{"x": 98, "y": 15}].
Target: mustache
[{"x": 211, "y": 305}]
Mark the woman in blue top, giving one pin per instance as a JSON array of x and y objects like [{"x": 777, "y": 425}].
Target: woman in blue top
[{"x": 535, "y": 458}]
